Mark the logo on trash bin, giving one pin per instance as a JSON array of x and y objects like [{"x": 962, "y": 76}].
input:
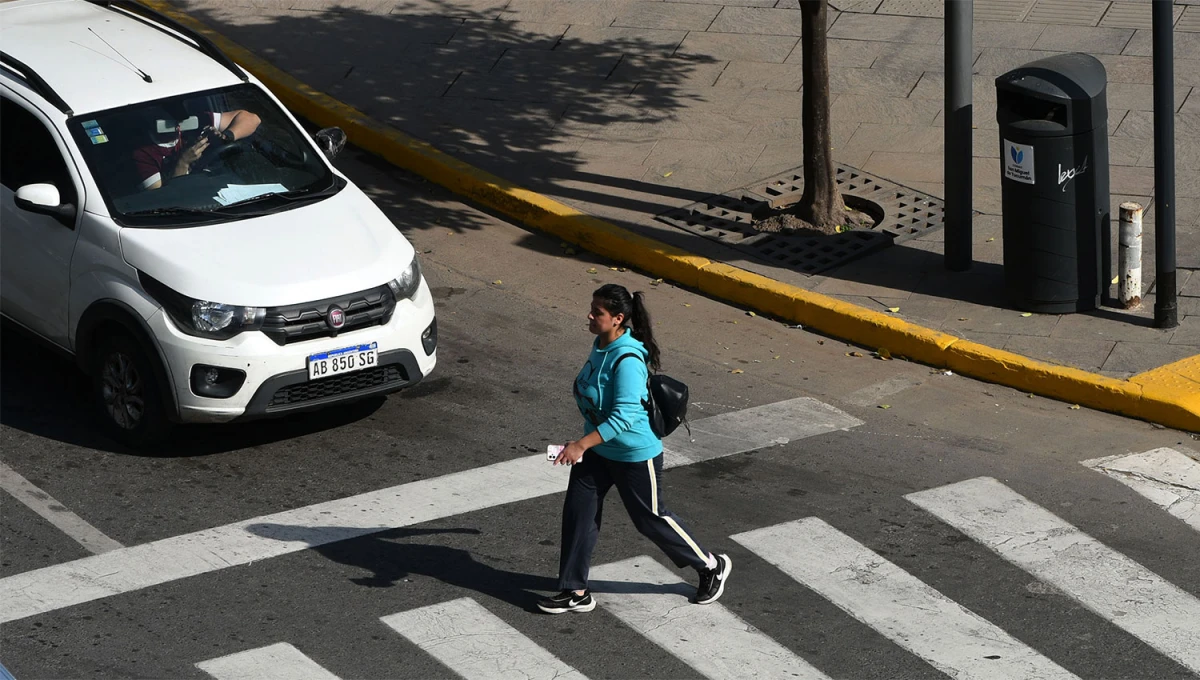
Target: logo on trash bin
[{"x": 1018, "y": 162}]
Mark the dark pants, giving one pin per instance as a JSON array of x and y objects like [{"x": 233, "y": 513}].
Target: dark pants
[{"x": 638, "y": 484}]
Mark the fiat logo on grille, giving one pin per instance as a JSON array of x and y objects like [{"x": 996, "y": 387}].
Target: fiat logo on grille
[{"x": 336, "y": 318}]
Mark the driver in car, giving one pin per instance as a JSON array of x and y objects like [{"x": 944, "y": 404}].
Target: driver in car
[{"x": 169, "y": 157}]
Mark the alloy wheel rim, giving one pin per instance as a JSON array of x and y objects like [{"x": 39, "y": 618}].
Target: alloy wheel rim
[{"x": 123, "y": 391}]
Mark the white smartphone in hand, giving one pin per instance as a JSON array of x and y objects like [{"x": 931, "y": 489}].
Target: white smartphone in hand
[{"x": 553, "y": 450}]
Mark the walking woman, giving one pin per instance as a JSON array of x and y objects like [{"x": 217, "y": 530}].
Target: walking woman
[{"x": 619, "y": 449}]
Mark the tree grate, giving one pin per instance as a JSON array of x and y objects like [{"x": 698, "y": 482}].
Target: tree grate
[{"x": 900, "y": 214}]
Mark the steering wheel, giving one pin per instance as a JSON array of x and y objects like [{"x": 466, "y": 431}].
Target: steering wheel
[{"x": 281, "y": 154}]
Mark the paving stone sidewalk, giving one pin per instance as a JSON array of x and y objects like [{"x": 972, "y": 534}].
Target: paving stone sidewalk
[{"x": 626, "y": 109}]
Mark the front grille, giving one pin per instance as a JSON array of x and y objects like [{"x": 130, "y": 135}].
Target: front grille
[
  {"x": 306, "y": 321},
  {"x": 338, "y": 385}
]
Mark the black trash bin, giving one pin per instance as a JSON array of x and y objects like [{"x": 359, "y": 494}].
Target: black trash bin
[{"x": 1054, "y": 183}]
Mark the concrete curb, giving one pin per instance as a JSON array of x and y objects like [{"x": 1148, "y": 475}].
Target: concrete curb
[{"x": 1169, "y": 395}]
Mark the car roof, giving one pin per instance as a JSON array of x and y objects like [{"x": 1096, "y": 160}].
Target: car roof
[{"x": 64, "y": 43}]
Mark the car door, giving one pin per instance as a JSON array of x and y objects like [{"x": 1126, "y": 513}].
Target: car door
[{"x": 35, "y": 248}]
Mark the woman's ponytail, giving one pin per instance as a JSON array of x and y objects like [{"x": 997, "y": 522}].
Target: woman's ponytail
[{"x": 642, "y": 329}]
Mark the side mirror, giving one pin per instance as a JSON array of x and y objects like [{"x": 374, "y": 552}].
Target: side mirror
[
  {"x": 331, "y": 141},
  {"x": 45, "y": 200},
  {"x": 38, "y": 196}
]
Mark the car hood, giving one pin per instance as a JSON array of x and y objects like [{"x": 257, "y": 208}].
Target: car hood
[{"x": 339, "y": 245}]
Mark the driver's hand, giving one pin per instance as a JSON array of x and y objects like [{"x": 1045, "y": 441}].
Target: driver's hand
[{"x": 194, "y": 152}]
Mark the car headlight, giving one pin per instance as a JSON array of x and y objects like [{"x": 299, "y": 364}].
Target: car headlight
[
  {"x": 405, "y": 286},
  {"x": 202, "y": 318}
]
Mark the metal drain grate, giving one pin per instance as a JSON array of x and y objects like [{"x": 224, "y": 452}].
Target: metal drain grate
[{"x": 728, "y": 218}]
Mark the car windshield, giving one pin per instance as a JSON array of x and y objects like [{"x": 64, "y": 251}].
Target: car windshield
[{"x": 213, "y": 155}]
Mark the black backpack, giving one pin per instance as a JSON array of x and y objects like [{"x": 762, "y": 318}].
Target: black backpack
[{"x": 667, "y": 403}]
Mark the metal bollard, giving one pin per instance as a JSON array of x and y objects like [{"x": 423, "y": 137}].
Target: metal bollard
[{"x": 1129, "y": 288}]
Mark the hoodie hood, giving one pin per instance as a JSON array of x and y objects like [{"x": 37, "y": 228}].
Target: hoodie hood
[{"x": 622, "y": 345}]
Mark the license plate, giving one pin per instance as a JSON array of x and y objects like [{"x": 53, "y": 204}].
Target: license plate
[{"x": 344, "y": 360}]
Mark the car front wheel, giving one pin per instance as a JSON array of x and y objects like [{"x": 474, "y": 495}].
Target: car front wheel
[{"x": 125, "y": 390}]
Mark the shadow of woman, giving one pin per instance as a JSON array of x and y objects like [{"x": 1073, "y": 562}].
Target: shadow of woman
[{"x": 390, "y": 558}]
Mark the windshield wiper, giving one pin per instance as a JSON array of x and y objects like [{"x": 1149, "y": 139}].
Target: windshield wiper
[
  {"x": 292, "y": 196},
  {"x": 176, "y": 211}
]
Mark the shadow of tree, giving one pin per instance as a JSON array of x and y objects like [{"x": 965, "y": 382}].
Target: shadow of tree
[{"x": 514, "y": 96}]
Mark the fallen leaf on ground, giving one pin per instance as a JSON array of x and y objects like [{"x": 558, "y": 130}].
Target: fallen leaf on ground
[
  {"x": 775, "y": 357},
  {"x": 885, "y": 406},
  {"x": 497, "y": 282},
  {"x": 1116, "y": 279},
  {"x": 991, "y": 239},
  {"x": 884, "y": 354},
  {"x": 854, "y": 354},
  {"x": 613, "y": 269},
  {"x": 963, "y": 318},
  {"x": 668, "y": 173},
  {"x": 591, "y": 270},
  {"x": 686, "y": 304},
  {"x": 893, "y": 309},
  {"x": 820, "y": 342},
  {"x": 1027, "y": 314},
  {"x": 655, "y": 282},
  {"x": 737, "y": 370},
  {"x": 1074, "y": 407},
  {"x": 751, "y": 314}
]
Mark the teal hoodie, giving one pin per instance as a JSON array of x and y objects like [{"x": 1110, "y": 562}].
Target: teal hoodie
[{"x": 613, "y": 404}]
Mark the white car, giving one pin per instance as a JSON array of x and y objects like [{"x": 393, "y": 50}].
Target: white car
[{"x": 167, "y": 222}]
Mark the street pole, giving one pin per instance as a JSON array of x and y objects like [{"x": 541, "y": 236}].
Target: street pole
[
  {"x": 1166, "y": 310},
  {"x": 956, "y": 163}
]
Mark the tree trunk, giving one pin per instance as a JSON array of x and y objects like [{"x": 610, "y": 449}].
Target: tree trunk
[{"x": 821, "y": 204}]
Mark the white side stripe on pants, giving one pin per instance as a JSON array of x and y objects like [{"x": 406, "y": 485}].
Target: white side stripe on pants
[
  {"x": 1103, "y": 580},
  {"x": 653, "y": 601},
  {"x": 1168, "y": 478},
  {"x": 950, "y": 637},
  {"x": 279, "y": 661},
  {"x": 476, "y": 644}
]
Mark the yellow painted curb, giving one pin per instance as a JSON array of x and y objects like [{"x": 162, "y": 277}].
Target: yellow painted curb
[{"x": 1169, "y": 395}]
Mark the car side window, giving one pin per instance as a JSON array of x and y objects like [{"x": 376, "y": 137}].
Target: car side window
[{"x": 29, "y": 154}]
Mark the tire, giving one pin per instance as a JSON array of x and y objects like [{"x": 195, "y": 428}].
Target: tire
[{"x": 126, "y": 393}]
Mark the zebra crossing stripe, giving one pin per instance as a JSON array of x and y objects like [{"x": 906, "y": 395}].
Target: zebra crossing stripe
[
  {"x": 652, "y": 600},
  {"x": 279, "y": 661},
  {"x": 1103, "y": 580},
  {"x": 476, "y": 644},
  {"x": 127, "y": 569},
  {"x": 1168, "y": 478},
  {"x": 953, "y": 639}
]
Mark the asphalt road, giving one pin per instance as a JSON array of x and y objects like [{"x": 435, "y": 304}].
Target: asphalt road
[{"x": 511, "y": 310}]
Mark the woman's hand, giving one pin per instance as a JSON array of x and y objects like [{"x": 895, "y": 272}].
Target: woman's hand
[{"x": 571, "y": 454}]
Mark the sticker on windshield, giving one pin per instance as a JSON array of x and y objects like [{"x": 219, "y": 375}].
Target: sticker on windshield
[
  {"x": 88, "y": 124},
  {"x": 96, "y": 134}
]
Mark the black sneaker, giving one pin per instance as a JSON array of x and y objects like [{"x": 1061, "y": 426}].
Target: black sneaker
[
  {"x": 712, "y": 581},
  {"x": 568, "y": 601}
]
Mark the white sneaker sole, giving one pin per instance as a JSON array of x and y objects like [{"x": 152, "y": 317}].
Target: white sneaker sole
[
  {"x": 565, "y": 610},
  {"x": 721, "y": 589}
]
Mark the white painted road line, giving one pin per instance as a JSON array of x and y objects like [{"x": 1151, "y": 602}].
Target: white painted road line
[
  {"x": 1103, "y": 580},
  {"x": 873, "y": 395},
  {"x": 953, "y": 639},
  {"x": 1168, "y": 478},
  {"x": 755, "y": 428},
  {"x": 652, "y": 600},
  {"x": 476, "y": 644},
  {"x": 279, "y": 661},
  {"x": 128, "y": 569},
  {"x": 54, "y": 512}
]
